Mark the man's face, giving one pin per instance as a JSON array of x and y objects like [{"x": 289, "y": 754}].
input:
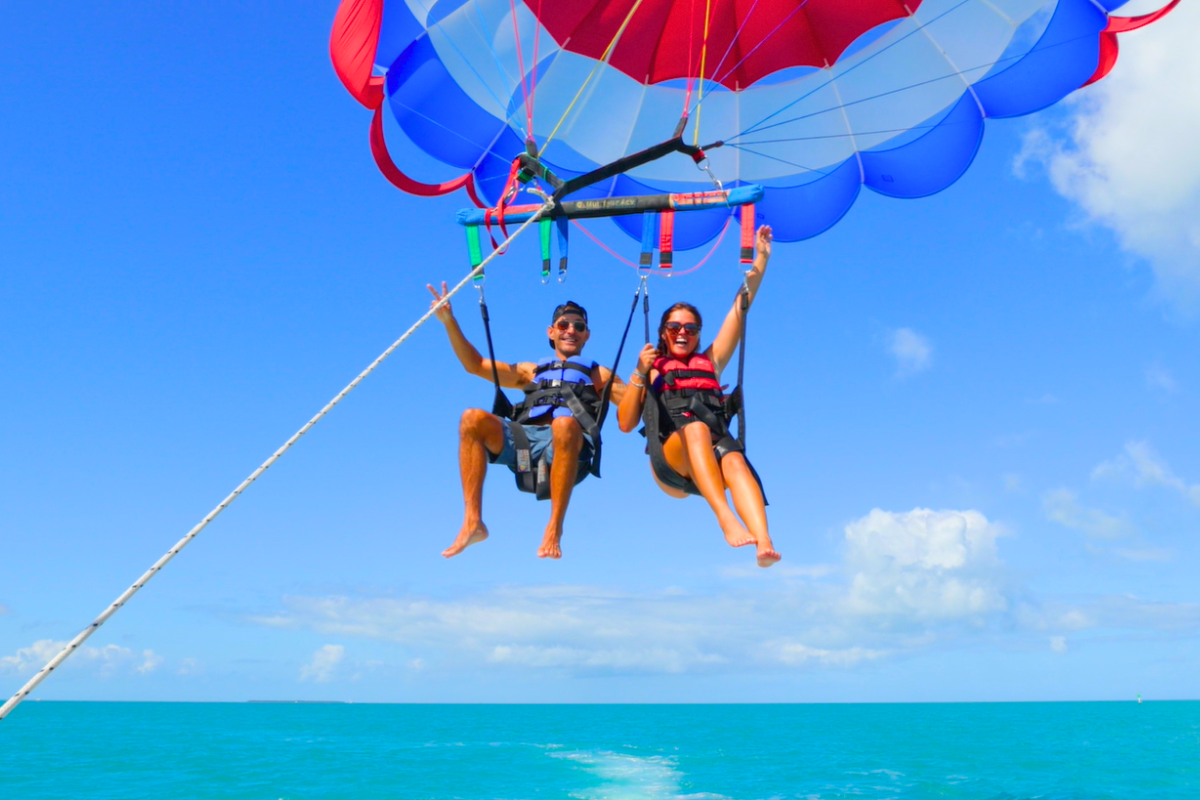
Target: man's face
[{"x": 569, "y": 333}]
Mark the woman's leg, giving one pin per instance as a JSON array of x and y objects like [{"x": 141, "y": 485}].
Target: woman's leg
[
  {"x": 689, "y": 451},
  {"x": 750, "y": 504}
]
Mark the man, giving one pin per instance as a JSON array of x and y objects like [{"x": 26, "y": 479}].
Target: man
[{"x": 557, "y": 440}]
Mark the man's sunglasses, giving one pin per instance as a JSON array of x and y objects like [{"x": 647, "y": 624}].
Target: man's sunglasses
[
  {"x": 565, "y": 325},
  {"x": 690, "y": 328}
]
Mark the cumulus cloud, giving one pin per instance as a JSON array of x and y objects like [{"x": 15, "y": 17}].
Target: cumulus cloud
[
  {"x": 1058, "y": 644},
  {"x": 912, "y": 351},
  {"x": 3, "y": 609},
  {"x": 1063, "y": 506},
  {"x": 1144, "y": 467},
  {"x": 322, "y": 667},
  {"x": 1128, "y": 154},
  {"x": 107, "y": 660},
  {"x": 906, "y": 577},
  {"x": 924, "y": 564}
]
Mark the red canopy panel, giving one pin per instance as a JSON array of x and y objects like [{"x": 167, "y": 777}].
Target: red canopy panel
[{"x": 747, "y": 39}]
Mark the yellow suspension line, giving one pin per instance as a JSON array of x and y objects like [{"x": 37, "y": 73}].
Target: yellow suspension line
[
  {"x": 703, "y": 57},
  {"x": 603, "y": 60}
]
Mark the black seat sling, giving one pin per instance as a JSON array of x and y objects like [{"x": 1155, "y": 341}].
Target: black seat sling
[
  {"x": 535, "y": 478},
  {"x": 653, "y": 410}
]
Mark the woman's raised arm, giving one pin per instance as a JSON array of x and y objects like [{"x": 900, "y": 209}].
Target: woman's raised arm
[{"x": 726, "y": 341}]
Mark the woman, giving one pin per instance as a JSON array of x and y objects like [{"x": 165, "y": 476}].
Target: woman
[{"x": 685, "y": 384}]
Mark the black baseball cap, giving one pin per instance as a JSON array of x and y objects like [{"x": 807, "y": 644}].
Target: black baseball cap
[{"x": 569, "y": 307}]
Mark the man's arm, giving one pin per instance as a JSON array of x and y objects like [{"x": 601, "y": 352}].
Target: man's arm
[
  {"x": 513, "y": 376},
  {"x": 726, "y": 341},
  {"x": 600, "y": 377}
]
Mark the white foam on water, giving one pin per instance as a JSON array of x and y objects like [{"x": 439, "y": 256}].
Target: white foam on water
[{"x": 628, "y": 777}]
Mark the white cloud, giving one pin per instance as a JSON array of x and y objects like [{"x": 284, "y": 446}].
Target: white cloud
[
  {"x": 924, "y": 564},
  {"x": 189, "y": 666},
  {"x": 106, "y": 660},
  {"x": 150, "y": 662},
  {"x": 912, "y": 351},
  {"x": 1058, "y": 644},
  {"x": 1062, "y": 506},
  {"x": 1160, "y": 378},
  {"x": 322, "y": 667},
  {"x": 1129, "y": 158},
  {"x": 796, "y": 655},
  {"x": 1145, "y": 467},
  {"x": 646, "y": 659},
  {"x": 3, "y": 609},
  {"x": 1144, "y": 554}
]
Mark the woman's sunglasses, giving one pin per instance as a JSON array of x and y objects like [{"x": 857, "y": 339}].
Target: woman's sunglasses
[
  {"x": 564, "y": 325},
  {"x": 690, "y": 328}
]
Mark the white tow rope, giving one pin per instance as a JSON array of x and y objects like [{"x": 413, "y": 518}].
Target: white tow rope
[{"x": 74, "y": 644}]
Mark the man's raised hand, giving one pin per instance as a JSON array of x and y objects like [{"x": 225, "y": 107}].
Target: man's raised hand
[{"x": 443, "y": 314}]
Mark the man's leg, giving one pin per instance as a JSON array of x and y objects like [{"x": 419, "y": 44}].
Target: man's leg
[
  {"x": 750, "y": 504},
  {"x": 694, "y": 454},
  {"x": 479, "y": 433},
  {"x": 567, "y": 440}
]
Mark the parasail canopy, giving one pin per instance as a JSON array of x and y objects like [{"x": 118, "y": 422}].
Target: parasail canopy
[{"x": 812, "y": 99}]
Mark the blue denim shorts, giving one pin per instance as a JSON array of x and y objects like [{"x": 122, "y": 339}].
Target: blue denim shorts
[{"x": 541, "y": 441}]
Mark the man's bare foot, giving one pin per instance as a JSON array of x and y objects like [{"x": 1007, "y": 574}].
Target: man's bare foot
[
  {"x": 767, "y": 556},
  {"x": 735, "y": 532},
  {"x": 550, "y": 545},
  {"x": 466, "y": 537}
]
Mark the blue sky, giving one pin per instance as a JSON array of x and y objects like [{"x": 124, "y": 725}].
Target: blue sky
[{"x": 974, "y": 413}]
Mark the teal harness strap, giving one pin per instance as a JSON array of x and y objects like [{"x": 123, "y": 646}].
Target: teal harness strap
[
  {"x": 544, "y": 226},
  {"x": 474, "y": 248}
]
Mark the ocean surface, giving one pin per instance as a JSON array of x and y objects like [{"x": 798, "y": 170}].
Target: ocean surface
[{"x": 1009, "y": 751}]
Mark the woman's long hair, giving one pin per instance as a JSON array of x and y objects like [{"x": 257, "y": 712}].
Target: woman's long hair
[{"x": 662, "y": 325}]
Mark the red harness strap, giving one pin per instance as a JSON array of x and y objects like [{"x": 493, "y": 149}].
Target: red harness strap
[
  {"x": 666, "y": 239},
  {"x": 747, "y": 213}
]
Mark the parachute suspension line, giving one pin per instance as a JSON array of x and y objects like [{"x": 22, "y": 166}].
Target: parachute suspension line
[
  {"x": 512, "y": 4},
  {"x": 761, "y": 42},
  {"x": 125, "y": 596},
  {"x": 866, "y": 60},
  {"x": 608, "y": 51},
  {"x": 687, "y": 97},
  {"x": 942, "y": 51},
  {"x": 948, "y": 76},
  {"x": 537, "y": 40},
  {"x": 738, "y": 34},
  {"x": 703, "y": 59},
  {"x": 605, "y": 247}
]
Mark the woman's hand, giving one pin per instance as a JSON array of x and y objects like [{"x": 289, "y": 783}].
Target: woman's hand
[
  {"x": 646, "y": 359},
  {"x": 443, "y": 314},
  {"x": 762, "y": 242}
]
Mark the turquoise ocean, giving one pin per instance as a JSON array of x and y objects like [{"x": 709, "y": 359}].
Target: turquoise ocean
[{"x": 1008, "y": 751}]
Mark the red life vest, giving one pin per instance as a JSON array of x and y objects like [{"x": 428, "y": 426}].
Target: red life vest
[{"x": 697, "y": 372}]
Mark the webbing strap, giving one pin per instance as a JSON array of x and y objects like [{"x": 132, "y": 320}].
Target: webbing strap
[
  {"x": 474, "y": 248},
  {"x": 747, "y": 213},
  {"x": 649, "y": 218},
  {"x": 501, "y": 405},
  {"x": 744, "y": 294},
  {"x": 544, "y": 227},
  {"x": 564, "y": 228},
  {"x": 666, "y": 239}
]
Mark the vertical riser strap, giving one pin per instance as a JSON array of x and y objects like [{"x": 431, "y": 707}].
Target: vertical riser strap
[
  {"x": 649, "y": 229},
  {"x": 544, "y": 228},
  {"x": 666, "y": 240},
  {"x": 747, "y": 212}
]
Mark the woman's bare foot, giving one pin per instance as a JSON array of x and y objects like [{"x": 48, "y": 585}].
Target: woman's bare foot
[
  {"x": 735, "y": 532},
  {"x": 550, "y": 544},
  {"x": 466, "y": 537},
  {"x": 766, "y": 555}
]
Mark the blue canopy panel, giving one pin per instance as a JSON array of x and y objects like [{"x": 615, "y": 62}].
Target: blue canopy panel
[{"x": 1063, "y": 59}]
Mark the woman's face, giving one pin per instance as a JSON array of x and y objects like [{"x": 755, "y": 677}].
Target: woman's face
[{"x": 682, "y": 333}]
